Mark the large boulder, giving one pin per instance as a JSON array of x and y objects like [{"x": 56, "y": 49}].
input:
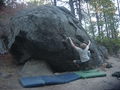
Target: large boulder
[{"x": 41, "y": 33}]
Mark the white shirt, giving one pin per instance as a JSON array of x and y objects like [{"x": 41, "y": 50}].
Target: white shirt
[{"x": 83, "y": 54}]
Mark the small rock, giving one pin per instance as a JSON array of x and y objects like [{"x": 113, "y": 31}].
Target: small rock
[{"x": 5, "y": 75}]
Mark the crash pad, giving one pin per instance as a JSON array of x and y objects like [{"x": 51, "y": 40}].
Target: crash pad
[
  {"x": 51, "y": 80},
  {"x": 68, "y": 77},
  {"x": 31, "y": 81},
  {"x": 90, "y": 73}
]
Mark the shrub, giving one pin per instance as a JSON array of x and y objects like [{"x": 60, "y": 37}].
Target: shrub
[{"x": 112, "y": 44}]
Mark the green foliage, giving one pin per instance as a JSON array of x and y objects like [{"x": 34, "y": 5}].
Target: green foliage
[
  {"x": 107, "y": 44},
  {"x": 106, "y": 19},
  {"x": 1, "y": 3},
  {"x": 112, "y": 44},
  {"x": 116, "y": 42}
]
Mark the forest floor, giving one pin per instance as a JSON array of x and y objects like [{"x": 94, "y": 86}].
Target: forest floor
[{"x": 10, "y": 74}]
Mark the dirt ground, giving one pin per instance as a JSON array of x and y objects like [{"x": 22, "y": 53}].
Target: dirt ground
[{"x": 10, "y": 74}]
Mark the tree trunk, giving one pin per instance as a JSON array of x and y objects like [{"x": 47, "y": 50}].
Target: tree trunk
[
  {"x": 114, "y": 34},
  {"x": 79, "y": 11},
  {"x": 55, "y": 3},
  {"x": 72, "y": 7},
  {"x": 106, "y": 27},
  {"x": 97, "y": 17},
  {"x": 118, "y": 3},
  {"x": 91, "y": 22}
]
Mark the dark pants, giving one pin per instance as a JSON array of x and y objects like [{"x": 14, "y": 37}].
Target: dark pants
[{"x": 79, "y": 62}]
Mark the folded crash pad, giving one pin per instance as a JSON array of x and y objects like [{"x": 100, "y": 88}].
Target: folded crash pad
[
  {"x": 51, "y": 80},
  {"x": 67, "y": 77},
  {"x": 90, "y": 73},
  {"x": 31, "y": 81}
]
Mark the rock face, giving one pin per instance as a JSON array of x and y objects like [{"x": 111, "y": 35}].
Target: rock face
[
  {"x": 41, "y": 33},
  {"x": 2, "y": 47},
  {"x": 104, "y": 51}
]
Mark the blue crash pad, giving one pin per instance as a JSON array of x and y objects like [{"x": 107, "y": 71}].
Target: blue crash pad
[
  {"x": 68, "y": 77},
  {"x": 52, "y": 80},
  {"x": 31, "y": 81}
]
